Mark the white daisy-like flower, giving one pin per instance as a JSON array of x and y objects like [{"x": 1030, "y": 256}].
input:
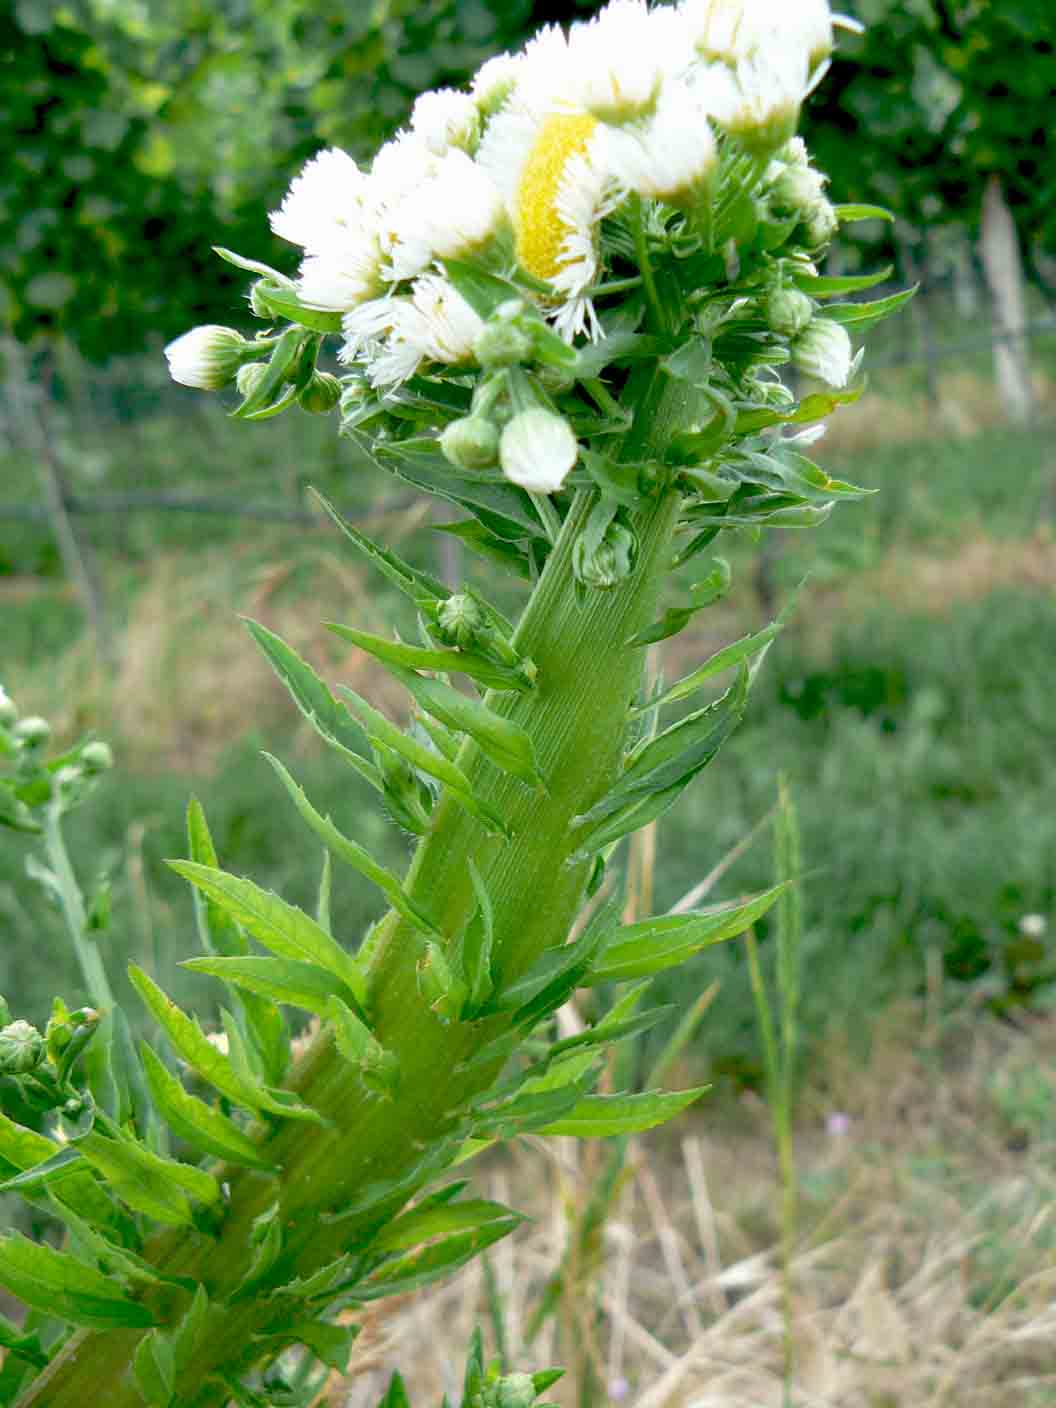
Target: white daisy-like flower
[
  {"x": 618, "y": 60},
  {"x": 399, "y": 168},
  {"x": 344, "y": 275},
  {"x": 455, "y": 213},
  {"x": 733, "y": 30},
  {"x": 207, "y": 357},
  {"x": 538, "y": 450},
  {"x": 824, "y": 351},
  {"x": 495, "y": 80},
  {"x": 445, "y": 118},
  {"x": 393, "y": 336},
  {"x": 324, "y": 203},
  {"x": 758, "y": 101},
  {"x": 672, "y": 155}
]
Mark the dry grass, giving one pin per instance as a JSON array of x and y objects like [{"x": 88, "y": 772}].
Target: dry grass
[{"x": 925, "y": 1275}]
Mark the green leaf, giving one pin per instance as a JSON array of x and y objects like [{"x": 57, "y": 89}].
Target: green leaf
[
  {"x": 117, "y": 1261},
  {"x": 723, "y": 659},
  {"x": 332, "y": 1344},
  {"x": 824, "y": 285},
  {"x": 639, "y": 950},
  {"x": 280, "y": 367},
  {"x": 504, "y": 742},
  {"x": 379, "y": 1068},
  {"x": 253, "y": 266},
  {"x": 330, "y": 719},
  {"x": 483, "y": 292},
  {"x": 147, "y": 1182},
  {"x": 210, "y": 1063},
  {"x": 476, "y": 947},
  {"x": 419, "y": 586},
  {"x": 266, "y": 1239},
  {"x": 847, "y": 214},
  {"x": 416, "y": 657},
  {"x": 280, "y": 927},
  {"x": 600, "y": 1116},
  {"x": 280, "y": 979},
  {"x": 192, "y": 1120},
  {"x": 65, "y": 1163},
  {"x": 862, "y": 316},
  {"x": 423, "y": 1224},
  {"x": 154, "y": 1366},
  {"x": 44, "y": 1164},
  {"x": 703, "y": 593},
  {"x": 555, "y": 973},
  {"x": 217, "y": 931},
  {"x": 57, "y": 1284},
  {"x": 502, "y": 507},
  {"x": 425, "y": 1264},
  {"x": 353, "y": 854},
  {"x": 472, "y": 534},
  {"x": 188, "y": 1333},
  {"x": 380, "y": 731},
  {"x": 283, "y": 302}
]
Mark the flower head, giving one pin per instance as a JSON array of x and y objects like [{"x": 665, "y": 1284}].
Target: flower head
[
  {"x": 823, "y": 350},
  {"x": 758, "y": 100},
  {"x": 445, "y": 118},
  {"x": 732, "y": 30},
  {"x": 324, "y": 204},
  {"x": 397, "y": 334},
  {"x": 344, "y": 275},
  {"x": 618, "y": 60},
  {"x": 207, "y": 357},
  {"x": 671, "y": 155}
]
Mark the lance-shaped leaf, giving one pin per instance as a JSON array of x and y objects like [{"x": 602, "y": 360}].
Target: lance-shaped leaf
[
  {"x": 59, "y": 1285},
  {"x": 814, "y": 407},
  {"x": 723, "y": 659},
  {"x": 283, "y": 302},
  {"x": 280, "y": 368},
  {"x": 439, "y": 1258},
  {"x": 515, "y": 557},
  {"x": 472, "y": 957},
  {"x": 703, "y": 593},
  {"x": 147, "y": 1182},
  {"x": 208, "y": 1061},
  {"x": 253, "y": 266},
  {"x": 639, "y": 950},
  {"x": 353, "y": 854},
  {"x": 530, "y": 1110},
  {"x": 504, "y": 742},
  {"x": 332, "y": 1344},
  {"x": 381, "y": 732},
  {"x": 192, "y": 1120},
  {"x": 43, "y": 1164},
  {"x": 92, "y": 1245},
  {"x": 555, "y": 974},
  {"x": 318, "y": 1285},
  {"x": 329, "y": 718},
  {"x": 416, "y": 657},
  {"x": 287, "y": 980},
  {"x": 862, "y": 316},
  {"x": 825, "y": 285},
  {"x": 217, "y": 931},
  {"x": 503, "y": 508},
  {"x": 600, "y": 1116},
  {"x": 439, "y": 1219},
  {"x": 417, "y": 585},
  {"x": 280, "y": 927},
  {"x": 379, "y": 1069},
  {"x": 848, "y": 214},
  {"x": 154, "y": 1367}
]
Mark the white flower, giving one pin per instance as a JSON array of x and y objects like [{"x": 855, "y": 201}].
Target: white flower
[
  {"x": 617, "y": 61},
  {"x": 399, "y": 168},
  {"x": 494, "y": 82},
  {"x": 732, "y": 30},
  {"x": 538, "y": 450},
  {"x": 207, "y": 357},
  {"x": 344, "y": 275},
  {"x": 446, "y": 118},
  {"x": 324, "y": 203},
  {"x": 671, "y": 155},
  {"x": 455, "y": 213},
  {"x": 758, "y": 101},
  {"x": 823, "y": 351},
  {"x": 393, "y": 336}
]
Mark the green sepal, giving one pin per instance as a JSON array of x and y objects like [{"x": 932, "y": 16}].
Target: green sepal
[
  {"x": 862, "y": 316},
  {"x": 703, "y": 593},
  {"x": 724, "y": 659},
  {"x": 59, "y": 1285},
  {"x": 640, "y": 950},
  {"x": 329, "y": 718},
  {"x": 281, "y": 927},
  {"x": 353, "y": 854},
  {"x": 504, "y": 742},
  {"x": 847, "y": 214},
  {"x": 601, "y": 1116},
  {"x": 212, "y": 1065},
  {"x": 304, "y": 985},
  {"x": 192, "y": 1120},
  {"x": 154, "y": 1368},
  {"x": 416, "y": 657}
]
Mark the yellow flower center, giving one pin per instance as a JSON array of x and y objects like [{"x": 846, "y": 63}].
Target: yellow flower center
[{"x": 539, "y": 227}]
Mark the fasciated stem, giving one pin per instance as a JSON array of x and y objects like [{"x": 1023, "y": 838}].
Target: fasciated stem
[{"x": 576, "y": 718}]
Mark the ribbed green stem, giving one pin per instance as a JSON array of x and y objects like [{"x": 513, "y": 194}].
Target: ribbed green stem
[{"x": 576, "y": 717}]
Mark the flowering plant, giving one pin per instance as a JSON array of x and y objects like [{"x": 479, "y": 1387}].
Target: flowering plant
[{"x": 563, "y": 300}]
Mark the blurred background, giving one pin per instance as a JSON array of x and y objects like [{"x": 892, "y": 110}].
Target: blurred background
[{"x": 909, "y": 702}]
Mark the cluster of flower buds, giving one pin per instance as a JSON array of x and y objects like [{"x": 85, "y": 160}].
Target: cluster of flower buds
[
  {"x": 42, "y": 1061},
  {"x": 636, "y": 176},
  {"x": 30, "y": 782}
]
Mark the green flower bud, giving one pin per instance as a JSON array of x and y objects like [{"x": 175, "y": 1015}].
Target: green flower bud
[
  {"x": 515, "y": 1391},
  {"x": 460, "y": 620},
  {"x": 258, "y": 303},
  {"x": 820, "y": 224},
  {"x": 96, "y": 757},
  {"x": 471, "y": 443},
  {"x": 610, "y": 562},
  {"x": 788, "y": 311},
  {"x": 502, "y": 344},
  {"x": 248, "y": 378},
  {"x": 796, "y": 191},
  {"x": 8, "y": 712},
  {"x": 206, "y": 358},
  {"x": 824, "y": 351},
  {"x": 32, "y": 732},
  {"x": 321, "y": 394},
  {"x": 21, "y": 1049}
]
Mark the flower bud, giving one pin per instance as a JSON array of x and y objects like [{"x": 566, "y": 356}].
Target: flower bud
[
  {"x": 788, "y": 311},
  {"x": 32, "y": 731},
  {"x": 460, "y": 620},
  {"x": 610, "y": 562},
  {"x": 258, "y": 303},
  {"x": 538, "y": 450},
  {"x": 515, "y": 1391},
  {"x": 321, "y": 394},
  {"x": 96, "y": 757},
  {"x": 796, "y": 190},
  {"x": 21, "y": 1049},
  {"x": 471, "y": 443},
  {"x": 248, "y": 378},
  {"x": 823, "y": 351},
  {"x": 820, "y": 224},
  {"x": 8, "y": 712},
  {"x": 207, "y": 358},
  {"x": 501, "y": 344}
]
